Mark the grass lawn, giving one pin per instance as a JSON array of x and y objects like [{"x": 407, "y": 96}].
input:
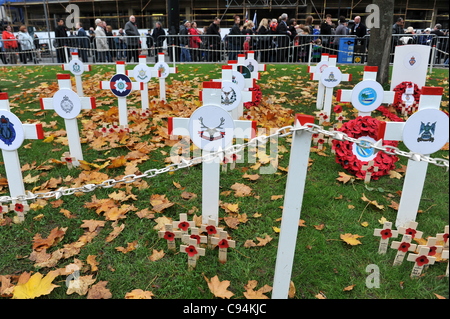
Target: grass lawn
[{"x": 324, "y": 264}]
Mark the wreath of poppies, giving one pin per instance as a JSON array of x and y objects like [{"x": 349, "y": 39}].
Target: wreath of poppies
[
  {"x": 399, "y": 104},
  {"x": 258, "y": 96},
  {"x": 360, "y": 127}
]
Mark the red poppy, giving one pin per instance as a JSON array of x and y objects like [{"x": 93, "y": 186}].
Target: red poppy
[
  {"x": 183, "y": 226},
  {"x": 211, "y": 230},
  {"x": 257, "y": 97},
  {"x": 68, "y": 159},
  {"x": 432, "y": 251},
  {"x": 223, "y": 243},
  {"x": 191, "y": 251},
  {"x": 169, "y": 236},
  {"x": 422, "y": 260},
  {"x": 400, "y": 90},
  {"x": 445, "y": 237},
  {"x": 404, "y": 247},
  {"x": 411, "y": 231},
  {"x": 197, "y": 237},
  {"x": 386, "y": 233},
  {"x": 18, "y": 207},
  {"x": 1, "y": 209},
  {"x": 337, "y": 109}
]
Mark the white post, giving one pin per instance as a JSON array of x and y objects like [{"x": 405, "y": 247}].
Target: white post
[{"x": 295, "y": 187}]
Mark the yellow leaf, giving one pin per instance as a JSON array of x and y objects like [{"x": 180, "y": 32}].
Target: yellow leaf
[
  {"x": 36, "y": 286},
  {"x": 276, "y": 229},
  {"x": 275, "y": 197},
  {"x": 372, "y": 202},
  {"x": 348, "y": 288},
  {"x": 139, "y": 294},
  {"x": 394, "y": 174},
  {"x": 345, "y": 177},
  {"x": 351, "y": 239},
  {"x": 48, "y": 139},
  {"x": 364, "y": 224},
  {"x": 219, "y": 288},
  {"x": 382, "y": 220}
]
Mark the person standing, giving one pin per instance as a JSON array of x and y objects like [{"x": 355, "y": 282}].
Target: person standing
[
  {"x": 83, "y": 42},
  {"x": 122, "y": 45},
  {"x": 61, "y": 41},
  {"x": 158, "y": 35},
  {"x": 325, "y": 29},
  {"x": 235, "y": 40},
  {"x": 10, "y": 45},
  {"x": 194, "y": 42},
  {"x": 265, "y": 40},
  {"x": 397, "y": 30},
  {"x": 100, "y": 41},
  {"x": 283, "y": 39},
  {"x": 214, "y": 39},
  {"x": 26, "y": 44},
  {"x": 132, "y": 32},
  {"x": 185, "y": 55}
]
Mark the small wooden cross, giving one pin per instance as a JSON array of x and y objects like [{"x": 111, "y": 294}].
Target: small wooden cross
[
  {"x": 183, "y": 225},
  {"x": 169, "y": 234},
  {"x": 223, "y": 242},
  {"x": 70, "y": 160},
  {"x": 211, "y": 230},
  {"x": 319, "y": 140},
  {"x": 434, "y": 249},
  {"x": 21, "y": 208},
  {"x": 195, "y": 233},
  {"x": 445, "y": 256},
  {"x": 323, "y": 117},
  {"x": 385, "y": 234},
  {"x": 402, "y": 248},
  {"x": 193, "y": 252},
  {"x": 420, "y": 260},
  {"x": 411, "y": 229},
  {"x": 366, "y": 168},
  {"x": 443, "y": 237}
]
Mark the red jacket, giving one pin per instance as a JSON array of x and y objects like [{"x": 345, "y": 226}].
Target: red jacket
[
  {"x": 195, "y": 39},
  {"x": 11, "y": 42}
]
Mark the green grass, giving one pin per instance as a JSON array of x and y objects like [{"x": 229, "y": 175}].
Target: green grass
[{"x": 323, "y": 262}]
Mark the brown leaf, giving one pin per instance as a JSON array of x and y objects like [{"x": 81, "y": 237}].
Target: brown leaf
[
  {"x": 54, "y": 237},
  {"x": 351, "y": 239},
  {"x": 99, "y": 291},
  {"x": 92, "y": 224},
  {"x": 160, "y": 202},
  {"x": 343, "y": 177},
  {"x": 241, "y": 190},
  {"x": 219, "y": 288},
  {"x": 92, "y": 262},
  {"x": 130, "y": 247},
  {"x": 348, "y": 288},
  {"x": 139, "y": 294},
  {"x": 157, "y": 255}
]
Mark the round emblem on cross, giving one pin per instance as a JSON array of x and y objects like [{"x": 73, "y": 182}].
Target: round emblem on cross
[{"x": 120, "y": 85}]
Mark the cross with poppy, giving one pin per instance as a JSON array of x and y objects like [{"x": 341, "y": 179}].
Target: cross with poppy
[
  {"x": 411, "y": 229},
  {"x": 367, "y": 168},
  {"x": 434, "y": 249},
  {"x": 21, "y": 208},
  {"x": 224, "y": 243},
  {"x": 169, "y": 235},
  {"x": 319, "y": 140},
  {"x": 385, "y": 234},
  {"x": 195, "y": 233},
  {"x": 402, "y": 248},
  {"x": 443, "y": 237},
  {"x": 70, "y": 160},
  {"x": 3, "y": 209},
  {"x": 420, "y": 260},
  {"x": 183, "y": 225},
  {"x": 212, "y": 231},
  {"x": 193, "y": 252}
]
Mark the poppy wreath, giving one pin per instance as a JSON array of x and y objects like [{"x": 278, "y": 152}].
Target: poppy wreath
[
  {"x": 258, "y": 96},
  {"x": 399, "y": 90},
  {"x": 363, "y": 126}
]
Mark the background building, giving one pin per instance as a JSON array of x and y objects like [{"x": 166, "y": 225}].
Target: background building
[{"x": 417, "y": 13}]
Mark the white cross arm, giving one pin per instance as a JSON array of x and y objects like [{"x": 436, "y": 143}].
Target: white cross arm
[
  {"x": 33, "y": 131},
  {"x": 316, "y": 76},
  {"x": 251, "y": 55},
  {"x": 180, "y": 126}
]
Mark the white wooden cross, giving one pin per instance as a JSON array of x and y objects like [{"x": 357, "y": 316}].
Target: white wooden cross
[
  {"x": 241, "y": 74},
  {"x": 169, "y": 235},
  {"x": 385, "y": 234},
  {"x": 366, "y": 168},
  {"x": 142, "y": 73},
  {"x": 410, "y": 133},
  {"x": 420, "y": 260},
  {"x": 211, "y": 97},
  {"x": 329, "y": 76},
  {"x": 443, "y": 237},
  {"x": 368, "y": 94},
  {"x": 162, "y": 70},
  {"x": 233, "y": 97},
  {"x": 71, "y": 161},
  {"x": 402, "y": 248},
  {"x": 68, "y": 105},
  {"x": 211, "y": 231},
  {"x": 410, "y": 228},
  {"x": 224, "y": 243},
  {"x": 254, "y": 66},
  {"x": 293, "y": 198},
  {"x": 434, "y": 249},
  {"x": 445, "y": 256},
  {"x": 12, "y": 135},
  {"x": 193, "y": 251},
  {"x": 195, "y": 233},
  {"x": 77, "y": 68},
  {"x": 183, "y": 224},
  {"x": 121, "y": 86}
]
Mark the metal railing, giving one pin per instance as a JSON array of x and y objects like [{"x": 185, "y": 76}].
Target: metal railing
[{"x": 271, "y": 48}]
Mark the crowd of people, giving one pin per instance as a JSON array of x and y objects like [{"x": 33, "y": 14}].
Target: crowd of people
[{"x": 274, "y": 40}]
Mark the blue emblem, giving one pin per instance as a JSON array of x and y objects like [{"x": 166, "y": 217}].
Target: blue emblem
[
  {"x": 412, "y": 61},
  {"x": 364, "y": 152},
  {"x": 120, "y": 85},
  {"x": 367, "y": 96},
  {"x": 426, "y": 132},
  {"x": 7, "y": 131}
]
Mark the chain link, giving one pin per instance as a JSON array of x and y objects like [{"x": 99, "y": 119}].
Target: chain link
[{"x": 233, "y": 149}]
